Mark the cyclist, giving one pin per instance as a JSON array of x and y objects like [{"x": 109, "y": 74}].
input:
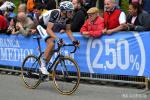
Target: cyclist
[{"x": 53, "y": 21}]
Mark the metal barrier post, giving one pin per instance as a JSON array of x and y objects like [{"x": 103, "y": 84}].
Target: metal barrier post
[{"x": 146, "y": 83}]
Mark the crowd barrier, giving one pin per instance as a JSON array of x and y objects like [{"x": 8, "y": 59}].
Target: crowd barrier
[{"x": 122, "y": 53}]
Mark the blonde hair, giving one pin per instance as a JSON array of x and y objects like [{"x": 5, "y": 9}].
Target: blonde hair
[{"x": 93, "y": 10}]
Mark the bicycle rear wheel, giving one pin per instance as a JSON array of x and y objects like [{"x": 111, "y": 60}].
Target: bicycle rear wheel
[
  {"x": 66, "y": 75},
  {"x": 30, "y": 71}
]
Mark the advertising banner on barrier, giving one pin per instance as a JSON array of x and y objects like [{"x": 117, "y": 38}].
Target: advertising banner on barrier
[{"x": 123, "y": 53}]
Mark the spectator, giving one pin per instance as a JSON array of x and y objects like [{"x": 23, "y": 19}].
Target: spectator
[
  {"x": 1, "y": 3},
  {"x": 89, "y": 4},
  {"x": 3, "y": 24},
  {"x": 137, "y": 20},
  {"x": 94, "y": 24},
  {"x": 24, "y": 24},
  {"x": 50, "y": 4},
  {"x": 47, "y": 4},
  {"x": 78, "y": 17},
  {"x": 146, "y": 5},
  {"x": 30, "y": 5},
  {"x": 23, "y": 1},
  {"x": 22, "y": 8},
  {"x": 138, "y": 1},
  {"x": 114, "y": 18}
]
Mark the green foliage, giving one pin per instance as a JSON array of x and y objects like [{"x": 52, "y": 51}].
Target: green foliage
[
  {"x": 16, "y": 2},
  {"x": 124, "y": 5}
]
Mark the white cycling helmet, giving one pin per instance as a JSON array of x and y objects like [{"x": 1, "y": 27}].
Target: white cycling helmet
[
  {"x": 66, "y": 5},
  {"x": 7, "y": 5}
]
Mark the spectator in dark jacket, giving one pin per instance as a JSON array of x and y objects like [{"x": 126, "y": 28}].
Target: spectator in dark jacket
[
  {"x": 89, "y": 4},
  {"x": 146, "y": 5},
  {"x": 137, "y": 20},
  {"x": 47, "y": 4},
  {"x": 78, "y": 17}
]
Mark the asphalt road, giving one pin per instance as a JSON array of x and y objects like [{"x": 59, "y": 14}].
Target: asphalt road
[{"x": 12, "y": 88}]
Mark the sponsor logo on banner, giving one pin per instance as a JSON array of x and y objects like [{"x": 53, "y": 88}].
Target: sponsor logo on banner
[
  {"x": 113, "y": 54},
  {"x": 10, "y": 50}
]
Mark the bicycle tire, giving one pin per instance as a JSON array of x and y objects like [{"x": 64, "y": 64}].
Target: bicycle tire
[
  {"x": 68, "y": 76},
  {"x": 30, "y": 73}
]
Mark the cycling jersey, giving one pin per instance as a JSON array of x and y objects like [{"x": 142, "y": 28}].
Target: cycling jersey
[{"x": 55, "y": 17}]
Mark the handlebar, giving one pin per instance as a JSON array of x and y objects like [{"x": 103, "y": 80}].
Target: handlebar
[
  {"x": 61, "y": 44},
  {"x": 75, "y": 47}
]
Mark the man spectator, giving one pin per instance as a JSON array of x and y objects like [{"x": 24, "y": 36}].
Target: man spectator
[
  {"x": 94, "y": 24},
  {"x": 137, "y": 20},
  {"x": 114, "y": 18},
  {"x": 24, "y": 24},
  {"x": 78, "y": 17}
]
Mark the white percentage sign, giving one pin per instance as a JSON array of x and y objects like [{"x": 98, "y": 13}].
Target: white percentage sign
[{"x": 135, "y": 63}]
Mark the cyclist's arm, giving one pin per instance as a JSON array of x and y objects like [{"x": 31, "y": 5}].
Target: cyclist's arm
[
  {"x": 49, "y": 30},
  {"x": 69, "y": 32}
]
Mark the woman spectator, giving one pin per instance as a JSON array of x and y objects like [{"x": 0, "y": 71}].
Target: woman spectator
[
  {"x": 94, "y": 24},
  {"x": 137, "y": 20}
]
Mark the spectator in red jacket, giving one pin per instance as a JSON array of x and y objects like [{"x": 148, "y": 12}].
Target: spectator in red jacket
[
  {"x": 3, "y": 24},
  {"x": 114, "y": 18},
  {"x": 94, "y": 24}
]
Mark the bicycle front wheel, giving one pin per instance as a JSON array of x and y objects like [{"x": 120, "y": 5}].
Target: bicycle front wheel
[
  {"x": 30, "y": 71},
  {"x": 66, "y": 75}
]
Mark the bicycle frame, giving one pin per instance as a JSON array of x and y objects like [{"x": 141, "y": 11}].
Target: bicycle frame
[{"x": 59, "y": 55}]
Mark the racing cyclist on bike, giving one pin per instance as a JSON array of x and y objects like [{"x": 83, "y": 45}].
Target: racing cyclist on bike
[{"x": 56, "y": 20}]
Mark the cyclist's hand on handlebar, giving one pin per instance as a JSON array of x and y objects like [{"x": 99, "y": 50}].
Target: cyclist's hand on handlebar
[{"x": 76, "y": 43}]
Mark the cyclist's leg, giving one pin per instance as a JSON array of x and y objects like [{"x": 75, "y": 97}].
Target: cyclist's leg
[
  {"x": 50, "y": 44},
  {"x": 48, "y": 51},
  {"x": 47, "y": 55}
]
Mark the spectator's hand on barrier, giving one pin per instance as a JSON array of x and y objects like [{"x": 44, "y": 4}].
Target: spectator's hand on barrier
[
  {"x": 104, "y": 31},
  {"x": 130, "y": 26},
  {"x": 62, "y": 31},
  {"x": 125, "y": 26},
  {"x": 76, "y": 43},
  {"x": 85, "y": 33},
  {"x": 19, "y": 25},
  {"x": 33, "y": 31},
  {"x": 109, "y": 32}
]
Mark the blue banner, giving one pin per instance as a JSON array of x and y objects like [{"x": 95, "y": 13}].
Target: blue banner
[{"x": 123, "y": 53}]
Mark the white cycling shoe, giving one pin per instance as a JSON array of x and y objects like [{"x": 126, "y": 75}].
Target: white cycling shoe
[{"x": 44, "y": 70}]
